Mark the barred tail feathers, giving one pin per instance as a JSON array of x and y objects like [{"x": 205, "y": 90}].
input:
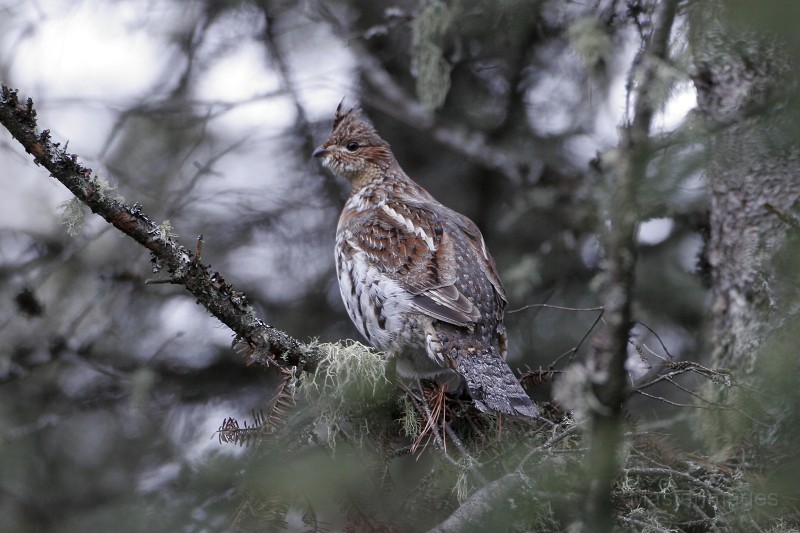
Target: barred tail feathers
[{"x": 492, "y": 384}]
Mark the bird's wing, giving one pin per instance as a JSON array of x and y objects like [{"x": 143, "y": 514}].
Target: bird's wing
[
  {"x": 478, "y": 246},
  {"x": 414, "y": 246}
]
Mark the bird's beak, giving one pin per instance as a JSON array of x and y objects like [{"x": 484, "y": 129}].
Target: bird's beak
[{"x": 319, "y": 151}]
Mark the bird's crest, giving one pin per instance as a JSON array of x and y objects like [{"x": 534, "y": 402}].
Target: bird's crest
[{"x": 341, "y": 114}]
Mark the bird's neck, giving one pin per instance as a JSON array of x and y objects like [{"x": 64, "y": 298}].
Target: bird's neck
[{"x": 373, "y": 191}]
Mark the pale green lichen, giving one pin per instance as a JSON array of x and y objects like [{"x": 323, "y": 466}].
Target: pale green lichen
[
  {"x": 165, "y": 232},
  {"x": 410, "y": 422},
  {"x": 102, "y": 188},
  {"x": 462, "y": 488},
  {"x": 73, "y": 216},
  {"x": 349, "y": 383},
  {"x": 431, "y": 68},
  {"x": 591, "y": 42}
]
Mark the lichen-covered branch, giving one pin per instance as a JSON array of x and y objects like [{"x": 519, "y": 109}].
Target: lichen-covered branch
[{"x": 231, "y": 307}]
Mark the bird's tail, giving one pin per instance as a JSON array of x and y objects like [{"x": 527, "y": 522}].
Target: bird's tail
[{"x": 492, "y": 384}]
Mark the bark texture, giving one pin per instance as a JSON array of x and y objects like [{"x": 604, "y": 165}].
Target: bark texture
[{"x": 743, "y": 83}]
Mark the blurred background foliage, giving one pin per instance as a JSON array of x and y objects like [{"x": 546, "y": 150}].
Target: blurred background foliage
[{"x": 206, "y": 113}]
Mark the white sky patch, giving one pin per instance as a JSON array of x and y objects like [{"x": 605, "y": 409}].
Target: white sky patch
[
  {"x": 678, "y": 106},
  {"x": 321, "y": 67},
  {"x": 192, "y": 430},
  {"x": 29, "y": 189},
  {"x": 89, "y": 48},
  {"x": 320, "y": 87},
  {"x": 682, "y": 100},
  {"x": 184, "y": 317},
  {"x": 205, "y": 424},
  {"x": 654, "y": 231},
  {"x": 551, "y": 103},
  {"x": 690, "y": 248},
  {"x": 321, "y": 95},
  {"x": 610, "y": 116},
  {"x": 238, "y": 76},
  {"x": 242, "y": 78}
]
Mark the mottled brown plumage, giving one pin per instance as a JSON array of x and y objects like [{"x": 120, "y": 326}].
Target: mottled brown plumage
[{"x": 415, "y": 276}]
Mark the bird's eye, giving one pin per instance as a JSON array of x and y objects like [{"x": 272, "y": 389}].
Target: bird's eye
[{"x": 352, "y": 146}]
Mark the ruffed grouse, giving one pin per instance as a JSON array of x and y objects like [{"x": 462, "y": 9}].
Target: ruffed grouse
[{"x": 415, "y": 276}]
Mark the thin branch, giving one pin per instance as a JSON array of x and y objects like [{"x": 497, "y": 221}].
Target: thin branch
[
  {"x": 549, "y": 306},
  {"x": 671, "y": 472},
  {"x": 656, "y": 335},
  {"x": 231, "y": 307},
  {"x": 705, "y": 404},
  {"x": 577, "y": 347},
  {"x": 787, "y": 218},
  {"x": 641, "y": 525},
  {"x": 552, "y": 441}
]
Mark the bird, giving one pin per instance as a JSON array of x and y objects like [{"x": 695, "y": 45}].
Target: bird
[{"x": 416, "y": 277}]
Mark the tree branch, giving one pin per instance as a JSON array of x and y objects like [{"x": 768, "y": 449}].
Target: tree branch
[
  {"x": 231, "y": 307},
  {"x": 392, "y": 99},
  {"x": 611, "y": 346},
  {"x": 472, "y": 144},
  {"x": 478, "y": 506}
]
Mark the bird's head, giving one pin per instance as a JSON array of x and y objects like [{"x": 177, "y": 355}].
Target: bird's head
[{"x": 354, "y": 150}]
